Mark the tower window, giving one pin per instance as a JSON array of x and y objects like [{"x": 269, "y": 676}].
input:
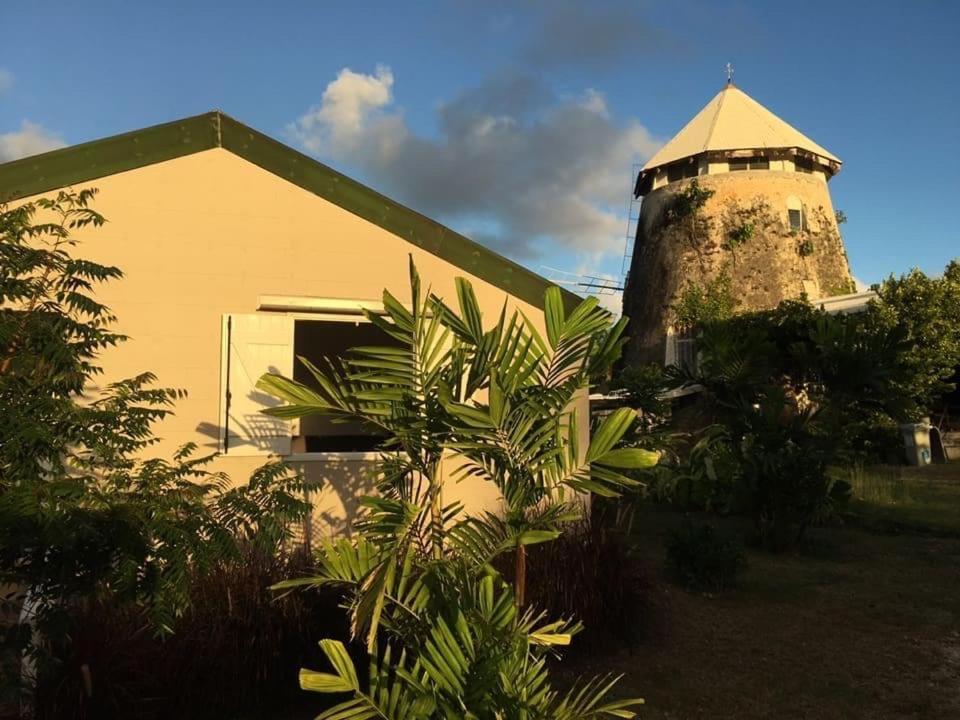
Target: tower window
[
  {"x": 758, "y": 162},
  {"x": 795, "y": 215},
  {"x": 796, "y": 219},
  {"x": 803, "y": 164},
  {"x": 681, "y": 170}
]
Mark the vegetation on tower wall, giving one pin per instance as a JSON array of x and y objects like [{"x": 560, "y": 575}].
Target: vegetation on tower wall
[
  {"x": 709, "y": 302},
  {"x": 688, "y": 202}
]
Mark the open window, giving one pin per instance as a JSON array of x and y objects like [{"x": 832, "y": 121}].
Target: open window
[
  {"x": 803, "y": 164},
  {"x": 318, "y": 339},
  {"x": 683, "y": 169},
  {"x": 258, "y": 343}
]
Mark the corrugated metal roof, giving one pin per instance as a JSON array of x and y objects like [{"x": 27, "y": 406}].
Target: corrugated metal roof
[{"x": 735, "y": 121}]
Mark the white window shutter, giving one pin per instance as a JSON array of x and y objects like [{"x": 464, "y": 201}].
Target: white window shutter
[{"x": 253, "y": 345}]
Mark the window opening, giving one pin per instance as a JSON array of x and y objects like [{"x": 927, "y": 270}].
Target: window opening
[{"x": 319, "y": 339}]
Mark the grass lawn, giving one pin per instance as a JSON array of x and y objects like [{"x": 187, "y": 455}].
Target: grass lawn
[
  {"x": 906, "y": 498},
  {"x": 865, "y": 624}
]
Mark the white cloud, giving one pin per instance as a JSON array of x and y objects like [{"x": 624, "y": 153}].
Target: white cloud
[
  {"x": 347, "y": 106},
  {"x": 527, "y": 171},
  {"x": 6, "y": 80},
  {"x": 30, "y": 139}
]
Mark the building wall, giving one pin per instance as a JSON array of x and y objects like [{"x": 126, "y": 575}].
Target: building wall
[
  {"x": 773, "y": 265},
  {"x": 205, "y": 235}
]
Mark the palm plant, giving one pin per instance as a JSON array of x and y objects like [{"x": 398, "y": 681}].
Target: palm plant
[{"x": 497, "y": 404}]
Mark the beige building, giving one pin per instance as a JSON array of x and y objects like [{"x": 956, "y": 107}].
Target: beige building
[
  {"x": 239, "y": 254},
  {"x": 766, "y": 226}
]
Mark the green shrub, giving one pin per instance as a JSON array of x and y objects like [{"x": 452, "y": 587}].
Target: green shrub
[
  {"x": 739, "y": 235},
  {"x": 643, "y": 387},
  {"x": 711, "y": 302},
  {"x": 703, "y": 477},
  {"x": 700, "y": 559},
  {"x": 785, "y": 486},
  {"x": 688, "y": 202}
]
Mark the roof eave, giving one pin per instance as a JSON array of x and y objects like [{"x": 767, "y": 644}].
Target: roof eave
[
  {"x": 96, "y": 159},
  {"x": 107, "y": 156}
]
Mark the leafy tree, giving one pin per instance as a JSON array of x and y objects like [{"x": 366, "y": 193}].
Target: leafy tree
[
  {"x": 446, "y": 635},
  {"x": 794, "y": 389},
  {"x": 925, "y": 312},
  {"x": 82, "y": 514},
  {"x": 770, "y": 436}
]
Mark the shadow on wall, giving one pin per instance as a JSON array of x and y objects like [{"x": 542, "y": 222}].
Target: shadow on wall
[
  {"x": 335, "y": 484},
  {"x": 258, "y": 433},
  {"x": 335, "y": 487},
  {"x": 249, "y": 426}
]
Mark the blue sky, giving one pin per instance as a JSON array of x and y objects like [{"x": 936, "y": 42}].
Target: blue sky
[{"x": 518, "y": 122}]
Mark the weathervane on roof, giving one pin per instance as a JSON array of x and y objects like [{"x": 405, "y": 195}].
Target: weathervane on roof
[{"x": 729, "y": 74}]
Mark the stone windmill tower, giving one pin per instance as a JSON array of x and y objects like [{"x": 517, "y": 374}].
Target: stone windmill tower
[{"x": 736, "y": 203}]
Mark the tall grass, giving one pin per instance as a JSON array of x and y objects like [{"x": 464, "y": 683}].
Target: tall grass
[
  {"x": 235, "y": 653},
  {"x": 904, "y": 499},
  {"x": 589, "y": 573},
  {"x": 878, "y": 484}
]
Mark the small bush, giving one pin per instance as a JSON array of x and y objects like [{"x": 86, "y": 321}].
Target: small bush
[
  {"x": 739, "y": 235},
  {"x": 643, "y": 387},
  {"x": 711, "y": 302},
  {"x": 688, "y": 202},
  {"x": 702, "y": 560}
]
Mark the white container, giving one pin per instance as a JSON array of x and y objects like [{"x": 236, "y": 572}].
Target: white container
[{"x": 916, "y": 442}]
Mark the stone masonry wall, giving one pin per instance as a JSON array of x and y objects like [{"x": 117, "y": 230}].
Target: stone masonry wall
[{"x": 743, "y": 231}]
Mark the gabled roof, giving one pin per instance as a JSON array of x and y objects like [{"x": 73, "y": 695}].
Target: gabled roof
[
  {"x": 735, "y": 121},
  {"x": 129, "y": 151}
]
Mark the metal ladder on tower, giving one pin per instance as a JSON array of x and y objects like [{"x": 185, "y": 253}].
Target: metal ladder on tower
[
  {"x": 607, "y": 284},
  {"x": 633, "y": 218}
]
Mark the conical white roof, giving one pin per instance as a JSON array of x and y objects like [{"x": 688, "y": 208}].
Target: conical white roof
[{"x": 735, "y": 121}]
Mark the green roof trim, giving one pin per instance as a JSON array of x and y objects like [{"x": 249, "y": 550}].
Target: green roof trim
[
  {"x": 129, "y": 151},
  {"x": 108, "y": 156}
]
